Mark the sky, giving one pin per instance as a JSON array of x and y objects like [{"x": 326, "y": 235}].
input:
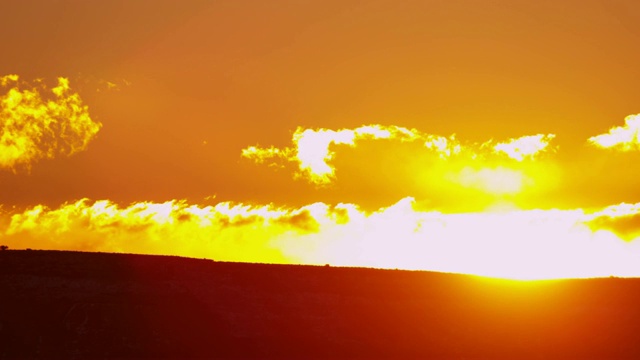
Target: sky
[{"x": 496, "y": 138}]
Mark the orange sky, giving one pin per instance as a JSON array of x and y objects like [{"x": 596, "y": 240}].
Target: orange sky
[{"x": 177, "y": 91}]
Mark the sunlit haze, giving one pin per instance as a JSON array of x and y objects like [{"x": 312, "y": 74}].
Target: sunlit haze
[{"x": 497, "y": 139}]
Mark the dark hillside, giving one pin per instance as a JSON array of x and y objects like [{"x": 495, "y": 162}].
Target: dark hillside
[{"x": 78, "y": 305}]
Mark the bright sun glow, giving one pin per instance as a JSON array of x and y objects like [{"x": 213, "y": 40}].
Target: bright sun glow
[
  {"x": 502, "y": 242},
  {"x": 503, "y": 235},
  {"x": 498, "y": 181}
]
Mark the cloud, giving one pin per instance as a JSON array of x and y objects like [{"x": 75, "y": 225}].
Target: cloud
[
  {"x": 622, "y": 138},
  {"x": 226, "y": 231},
  {"x": 312, "y": 148},
  {"x": 525, "y": 147},
  {"x": 40, "y": 123},
  {"x": 513, "y": 244},
  {"x": 106, "y": 85},
  {"x": 273, "y": 154},
  {"x": 622, "y": 219},
  {"x": 444, "y": 147}
]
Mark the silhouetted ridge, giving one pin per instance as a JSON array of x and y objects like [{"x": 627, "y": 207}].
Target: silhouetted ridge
[{"x": 78, "y": 305}]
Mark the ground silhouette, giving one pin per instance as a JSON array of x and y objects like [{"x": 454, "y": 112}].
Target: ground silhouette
[{"x": 90, "y": 305}]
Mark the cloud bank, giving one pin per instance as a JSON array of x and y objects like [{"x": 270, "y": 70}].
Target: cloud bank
[
  {"x": 514, "y": 244},
  {"x": 40, "y": 123}
]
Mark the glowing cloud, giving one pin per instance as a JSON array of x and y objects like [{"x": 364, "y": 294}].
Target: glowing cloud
[
  {"x": 623, "y": 138},
  {"x": 34, "y": 127},
  {"x": 520, "y": 244},
  {"x": 226, "y": 231},
  {"x": 261, "y": 155},
  {"x": 442, "y": 146},
  {"x": 524, "y": 147},
  {"x": 312, "y": 148},
  {"x": 623, "y": 219}
]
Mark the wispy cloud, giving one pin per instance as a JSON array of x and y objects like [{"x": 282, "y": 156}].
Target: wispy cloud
[
  {"x": 40, "y": 123},
  {"x": 622, "y": 138}
]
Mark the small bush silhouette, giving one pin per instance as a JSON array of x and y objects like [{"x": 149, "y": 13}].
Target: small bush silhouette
[{"x": 4, "y": 247}]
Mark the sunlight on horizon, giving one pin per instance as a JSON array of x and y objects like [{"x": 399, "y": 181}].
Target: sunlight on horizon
[
  {"x": 502, "y": 242},
  {"x": 509, "y": 237}
]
